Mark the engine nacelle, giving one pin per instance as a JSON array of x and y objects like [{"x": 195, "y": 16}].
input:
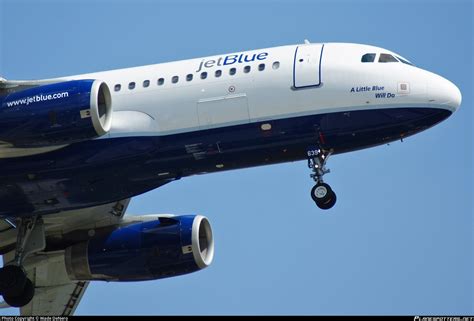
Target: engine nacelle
[
  {"x": 56, "y": 114},
  {"x": 154, "y": 249}
]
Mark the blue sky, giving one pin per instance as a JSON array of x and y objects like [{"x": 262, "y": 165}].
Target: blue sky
[{"x": 400, "y": 238}]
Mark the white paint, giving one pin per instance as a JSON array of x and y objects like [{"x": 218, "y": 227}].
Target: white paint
[
  {"x": 259, "y": 95},
  {"x": 203, "y": 256},
  {"x": 216, "y": 111},
  {"x": 307, "y": 65}
]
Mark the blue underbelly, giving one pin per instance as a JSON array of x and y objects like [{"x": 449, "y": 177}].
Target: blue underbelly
[{"x": 106, "y": 170}]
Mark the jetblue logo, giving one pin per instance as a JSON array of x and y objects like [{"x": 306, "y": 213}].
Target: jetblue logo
[
  {"x": 231, "y": 59},
  {"x": 36, "y": 99}
]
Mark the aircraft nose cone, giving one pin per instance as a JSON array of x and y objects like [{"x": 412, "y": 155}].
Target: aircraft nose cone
[
  {"x": 443, "y": 92},
  {"x": 454, "y": 94}
]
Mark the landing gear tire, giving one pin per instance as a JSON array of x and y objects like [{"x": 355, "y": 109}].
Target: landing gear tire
[
  {"x": 323, "y": 195},
  {"x": 23, "y": 298},
  {"x": 320, "y": 192},
  {"x": 12, "y": 280},
  {"x": 15, "y": 287}
]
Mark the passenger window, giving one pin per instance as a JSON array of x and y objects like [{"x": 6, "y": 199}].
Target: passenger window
[
  {"x": 261, "y": 67},
  {"x": 232, "y": 71},
  {"x": 246, "y": 69},
  {"x": 218, "y": 73},
  {"x": 175, "y": 79},
  {"x": 276, "y": 65},
  {"x": 203, "y": 75},
  {"x": 189, "y": 77},
  {"x": 146, "y": 83},
  {"x": 387, "y": 58},
  {"x": 370, "y": 57},
  {"x": 117, "y": 87},
  {"x": 161, "y": 81},
  {"x": 131, "y": 85}
]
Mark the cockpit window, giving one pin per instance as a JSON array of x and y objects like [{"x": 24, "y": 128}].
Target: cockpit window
[
  {"x": 370, "y": 57},
  {"x": 387, "y": 58},
  {"x": 404, "y": 61}
]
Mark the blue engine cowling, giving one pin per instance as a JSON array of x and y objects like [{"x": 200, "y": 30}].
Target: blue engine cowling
[
  {"x": 56, "y": 114},
  {"x": 160, "y": 248}
]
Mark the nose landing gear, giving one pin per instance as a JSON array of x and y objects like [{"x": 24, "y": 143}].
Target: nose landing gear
[{"x": 322, "y": 194}]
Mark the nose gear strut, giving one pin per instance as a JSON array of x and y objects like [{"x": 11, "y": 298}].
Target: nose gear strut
[{"x": 321, "y": 193}]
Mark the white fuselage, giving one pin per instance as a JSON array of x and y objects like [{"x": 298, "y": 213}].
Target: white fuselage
[
  {"x": 197, "y": 116},
  {"x": 346, "y": 84}
]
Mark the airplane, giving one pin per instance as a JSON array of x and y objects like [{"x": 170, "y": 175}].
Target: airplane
[{"x": 74, "y": 150}]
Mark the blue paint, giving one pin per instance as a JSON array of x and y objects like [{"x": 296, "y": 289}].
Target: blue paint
[
  {"x": 100, "y": 171},
  {"x": 231, "y": 59},
  {"x": 47, "y": 115},
  {"x": 144, "y": 251},
  {"x": 262, "y": 56}
]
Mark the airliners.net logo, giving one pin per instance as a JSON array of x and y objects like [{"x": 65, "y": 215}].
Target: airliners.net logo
[{"x": 36, "y": 99}]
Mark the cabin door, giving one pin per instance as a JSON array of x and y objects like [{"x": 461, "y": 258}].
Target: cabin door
[{"x": 307, "y": 66}]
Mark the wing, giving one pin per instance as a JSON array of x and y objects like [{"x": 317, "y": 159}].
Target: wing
[
  {"x": 55, "y": 293},
  {"x": 56, "y": 300}
]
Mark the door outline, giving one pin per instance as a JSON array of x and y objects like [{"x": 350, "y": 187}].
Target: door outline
[
  {"x": 294, "y": 70},
  {"x": 210, "y": 109}
]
